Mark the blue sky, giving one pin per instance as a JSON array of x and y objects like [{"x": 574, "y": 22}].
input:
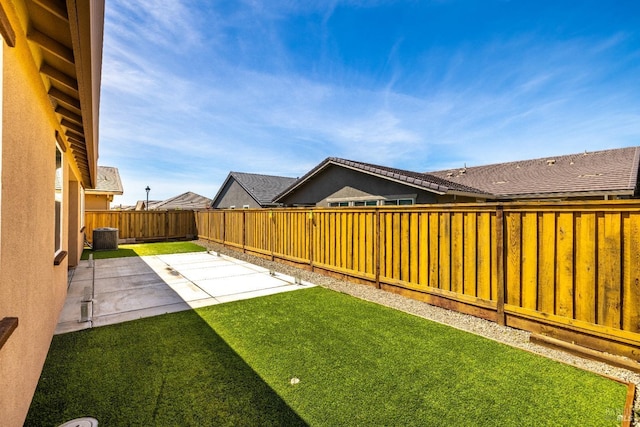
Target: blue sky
[{"x": 192, "y": 90}]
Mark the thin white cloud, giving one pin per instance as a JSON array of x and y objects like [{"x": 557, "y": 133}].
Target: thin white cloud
[{"x": 185, "y": 119}]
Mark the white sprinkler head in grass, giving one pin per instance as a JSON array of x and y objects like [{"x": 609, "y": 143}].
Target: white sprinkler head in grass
[{"x": 294, "y": 380}]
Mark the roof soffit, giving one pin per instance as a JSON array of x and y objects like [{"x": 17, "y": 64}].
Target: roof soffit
[{"x": 66, "y": 44}]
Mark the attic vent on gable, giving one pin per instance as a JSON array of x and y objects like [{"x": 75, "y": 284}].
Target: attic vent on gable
[
  {"x": 449, "y": 174},
  {"x": 551, "y": 162}
]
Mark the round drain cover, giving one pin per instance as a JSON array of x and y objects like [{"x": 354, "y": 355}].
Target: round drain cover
[{"x": 81, "y": 422}]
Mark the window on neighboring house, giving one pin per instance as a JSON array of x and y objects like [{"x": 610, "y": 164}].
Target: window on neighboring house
[
  {"x": 365, "y": 203},
  {"x": 245, "y": 206},
  {"x": 394, "y": 201},
  {"x": 58, "y": 201},
  {"x": 399, "y": 202}
]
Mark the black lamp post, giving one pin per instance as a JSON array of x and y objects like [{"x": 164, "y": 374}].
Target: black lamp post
[{"x": 147, "y": 190}]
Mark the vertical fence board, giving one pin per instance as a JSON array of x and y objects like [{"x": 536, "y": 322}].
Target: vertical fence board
[
  {"x": 333, "y": 231},
  {"x": 546, "y": 267},
  {"x": 364, "y": 242},
  {"x": 396, "y": 243},
  {"x": 470, "y": 254},
  {"x": 382, "y": 245},
  {"x": 325, "y": 254},
  {"x": 445, "y": 251},
  {"x": 609, "y": 253},
  {"x": 434, "y": 249},
  {"x": 631, "y": 289},
  {"x": 513, "y": 258},
  {"x": 586, "y": 268},
  {"x": 484, "y": 256},
  {"x": 348, "y": 242},
  {"x": 495, "y": 247},
  {"x": 405, "y": 249},
  {"x": 388, "y": 242},
  {"x": 414, "y": 248},
  {"x": 564, "y": 265},
  {"x": 423, "y": 243},
  {"x": 356, "y": 242},
  {"x": 343, "y": 240},
  {"x": 529, "y": 260},
  {"x": 457, "y": 252},
  {"x": 372, "y": 244}
]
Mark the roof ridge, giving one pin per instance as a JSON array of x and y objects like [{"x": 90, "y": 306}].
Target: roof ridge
[{"x": 417, "y": 179}]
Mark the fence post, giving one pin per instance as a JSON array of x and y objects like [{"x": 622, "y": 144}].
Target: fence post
[
  {"x": 311, "y": 232},
  {"x": 376, "y": 248},
  {"x": 272, "y": 229},
  {"x": 166, "y": 224},
  {"x": 501, "y": 282},
  {"x": 224, "y": 227},
  {"x": 244, "y": 230}
]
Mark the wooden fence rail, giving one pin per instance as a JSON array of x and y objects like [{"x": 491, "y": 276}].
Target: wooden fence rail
[
  {"x": 143, "y": 226},
  {"x": 568, "y": 270}
]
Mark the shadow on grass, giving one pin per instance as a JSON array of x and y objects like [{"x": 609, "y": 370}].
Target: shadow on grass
[
  {"x": 143, "y": 249},
  {"x": 118, "y": 253},
  {"x": 166, "y": 370}
]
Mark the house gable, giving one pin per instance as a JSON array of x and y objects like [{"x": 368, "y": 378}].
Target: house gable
[
  {"x": 107, "y": 186},
  {"x": 232, "y": 194},
  {"x": 337, "y": 180},
  {"x": 249, "y": 190},
  {"x": 184, "y": 201}
]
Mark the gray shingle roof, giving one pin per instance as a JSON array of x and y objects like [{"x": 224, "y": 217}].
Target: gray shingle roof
[
  {"x": 416, "y": 179},
  {"x": 108, "y": 181},
  {"x": 598, "y": 173},
  {"x": 263, "y": 188},
  {"x": 184, "y": 201}
]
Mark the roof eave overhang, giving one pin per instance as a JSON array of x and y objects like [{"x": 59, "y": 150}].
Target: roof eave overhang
[
  {"x": 104, "y": 192},
  {"x": 86, "y": 24},
  {"x": 564, "y": 195},
  {"x": 433, "y": 188},
  {"x": 470, "y": 194}
]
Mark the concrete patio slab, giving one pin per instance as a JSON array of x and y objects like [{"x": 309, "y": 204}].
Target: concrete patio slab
[{"x": 126, "y": 289}]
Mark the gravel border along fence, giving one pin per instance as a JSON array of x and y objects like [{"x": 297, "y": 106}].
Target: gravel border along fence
[{"x": 510, "y": 336}]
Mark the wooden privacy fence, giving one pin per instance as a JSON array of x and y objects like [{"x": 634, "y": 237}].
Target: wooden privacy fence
[
  {"x": 568, "y": 270},
  {"x": 143, "y": 226}
]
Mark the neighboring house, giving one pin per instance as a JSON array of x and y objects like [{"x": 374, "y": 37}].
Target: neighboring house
[
  {"x": 186, "y": 201},
  {"x": 341, "y": 182},
  {"x": 141, "y": 205},
  {"x": 50, "y": 62},
  {"x": 606, "y": 174},
  {"x": 108, "y": 185},
  {"x": 250, "y": 190}
]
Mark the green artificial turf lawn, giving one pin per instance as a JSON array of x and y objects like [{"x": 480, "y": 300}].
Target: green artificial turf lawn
[
  {"x": 143, "y": 249},
  {"x": 358, "y": 363}
]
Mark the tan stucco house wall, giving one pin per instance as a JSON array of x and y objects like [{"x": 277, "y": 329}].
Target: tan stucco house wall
[
  {"x": 98, "y": 202},
  {"x": 32, "y": 288}
]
